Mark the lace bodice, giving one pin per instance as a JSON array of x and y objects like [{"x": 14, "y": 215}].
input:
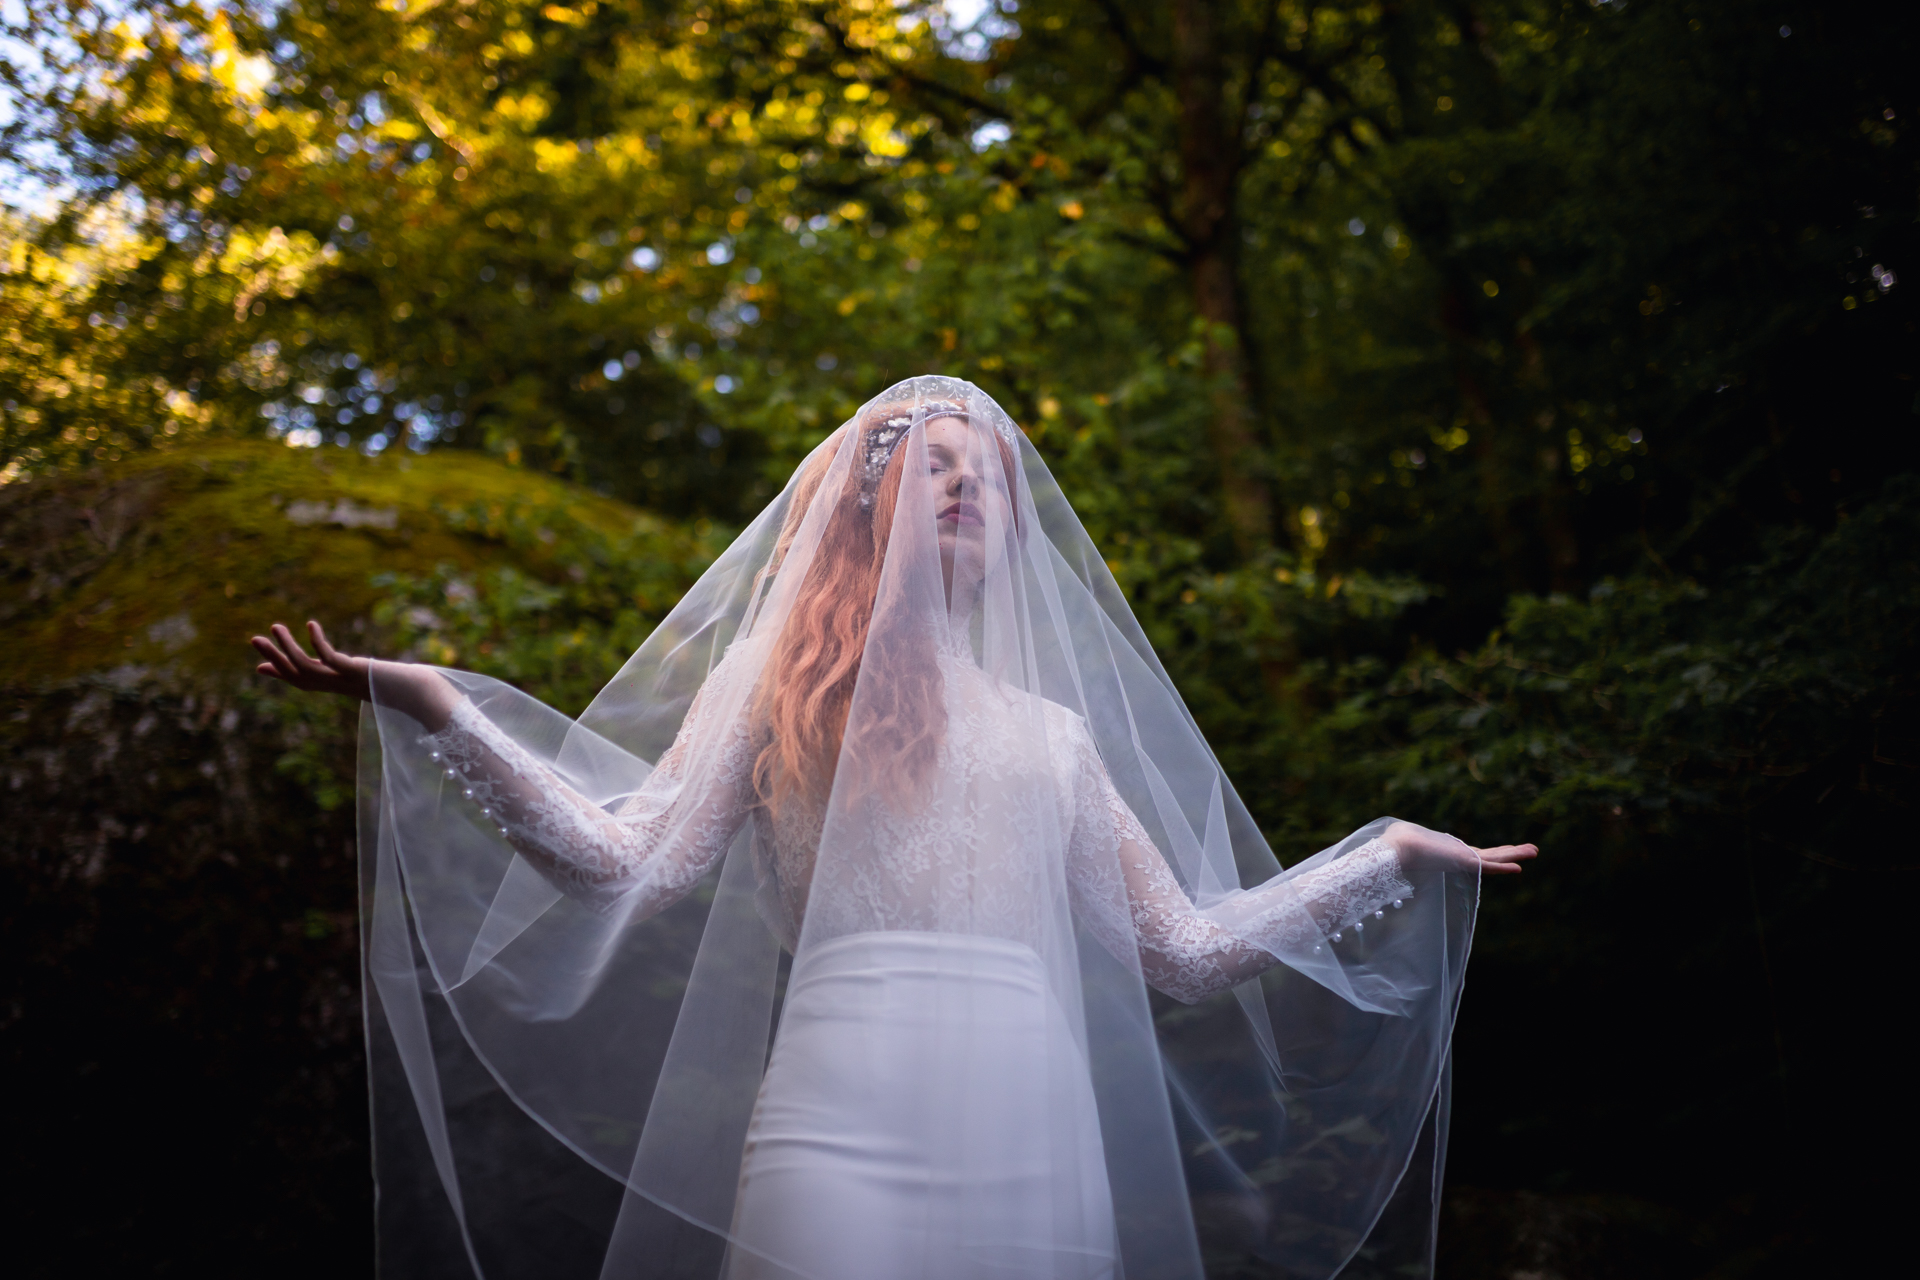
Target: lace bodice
[{"x": 1017, "y": 776}]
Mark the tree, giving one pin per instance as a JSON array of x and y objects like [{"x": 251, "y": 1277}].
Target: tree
[{"x": 461, "y": 223}]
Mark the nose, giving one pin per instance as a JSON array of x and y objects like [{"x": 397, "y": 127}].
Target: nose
[{"x": 963, "y": 481}]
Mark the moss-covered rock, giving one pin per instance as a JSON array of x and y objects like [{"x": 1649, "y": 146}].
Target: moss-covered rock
[
  {"x": 177, "y": 885},
  {"x": 171, "y": 560}
]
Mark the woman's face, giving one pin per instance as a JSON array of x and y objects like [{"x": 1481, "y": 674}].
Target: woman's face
[{"x": 968, "y": 492}]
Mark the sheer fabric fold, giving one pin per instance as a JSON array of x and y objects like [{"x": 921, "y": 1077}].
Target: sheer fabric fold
[{"x": 1012, "y": 985}]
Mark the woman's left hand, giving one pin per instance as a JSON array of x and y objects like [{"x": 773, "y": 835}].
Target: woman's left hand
[{"x": 1421, "y": 849}]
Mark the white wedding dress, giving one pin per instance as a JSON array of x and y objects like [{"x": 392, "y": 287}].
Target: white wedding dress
[
  {"x": 904, "y": 1029},
  {"x": 845, "y": 1175}
]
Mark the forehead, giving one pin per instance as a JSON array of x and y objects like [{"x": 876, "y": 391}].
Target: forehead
[{"x": 956, "y": 434}]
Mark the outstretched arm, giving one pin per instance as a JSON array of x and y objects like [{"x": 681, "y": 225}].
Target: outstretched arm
[
  {"x": 1192, "y": 954},
  {"x": 642, "y": 858},
  {"x": 646, "y": 856}
]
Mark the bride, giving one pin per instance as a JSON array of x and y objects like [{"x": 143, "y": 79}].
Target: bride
[{"x": 829, "y": 927}]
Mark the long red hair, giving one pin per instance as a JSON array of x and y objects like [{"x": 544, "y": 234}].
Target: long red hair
[{"x": 806, "y": 689}]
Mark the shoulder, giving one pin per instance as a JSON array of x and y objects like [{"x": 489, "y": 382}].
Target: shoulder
[
  {"x": 740, "y": 664},
  {"x": 1062, "y": 719},
  {"x": 1067, "y": 729}
]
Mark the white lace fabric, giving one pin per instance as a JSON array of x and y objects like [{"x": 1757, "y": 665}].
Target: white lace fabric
[
  {"x": 655, "y": 847},
  {"x": 644, "y": 856}
]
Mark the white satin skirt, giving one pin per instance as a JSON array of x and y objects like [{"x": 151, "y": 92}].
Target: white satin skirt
[{"x": 926, "y": 1115}]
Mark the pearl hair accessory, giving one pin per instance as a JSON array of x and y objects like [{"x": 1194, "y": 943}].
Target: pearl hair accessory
[{"x": 884, "y": 437}]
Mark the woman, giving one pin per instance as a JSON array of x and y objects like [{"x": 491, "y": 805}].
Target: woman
[{"x": 963, "y": 796}]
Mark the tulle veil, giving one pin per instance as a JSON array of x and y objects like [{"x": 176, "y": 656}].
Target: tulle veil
[{"x": 563, "y": 1088}]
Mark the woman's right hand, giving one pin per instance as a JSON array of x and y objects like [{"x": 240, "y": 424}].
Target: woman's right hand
[
  {"x": 1422, "y": 849},
  {"x": 331, "y": 672}
]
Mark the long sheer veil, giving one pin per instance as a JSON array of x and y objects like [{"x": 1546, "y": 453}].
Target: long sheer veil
[{"x": 563, "y": 1083}]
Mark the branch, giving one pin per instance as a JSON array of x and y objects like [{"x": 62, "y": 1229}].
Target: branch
[
  {"x": 856, "y": 54},
  {"x": 1262, "y": 50},
  {"x": 1318, "y": 72},
  {"x": 1162, "y": 201},
  {"x": 438, "y": 125},
  {"x": 1142, "y": 60},
  {"x": 1172, "y": 253},
  {"x": 948, "y": 91}
]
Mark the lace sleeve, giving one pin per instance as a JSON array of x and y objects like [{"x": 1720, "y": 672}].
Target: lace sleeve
[
  {"x": 651, "y": 851},
  {"x": 1128, "y": 897}
]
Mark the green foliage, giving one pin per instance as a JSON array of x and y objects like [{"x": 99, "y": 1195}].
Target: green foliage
[
  {"x": 559, "y": 639},
  {"x": 1778, "y": 702}
]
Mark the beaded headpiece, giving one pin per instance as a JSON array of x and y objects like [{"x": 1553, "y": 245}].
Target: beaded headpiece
[{"x": 880, "y": 440}]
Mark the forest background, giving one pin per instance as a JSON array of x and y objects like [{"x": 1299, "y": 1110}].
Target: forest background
[{"x": 1500, "y": 413}]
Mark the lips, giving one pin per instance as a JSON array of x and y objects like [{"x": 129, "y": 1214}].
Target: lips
[{"x": 963, "y": 513}]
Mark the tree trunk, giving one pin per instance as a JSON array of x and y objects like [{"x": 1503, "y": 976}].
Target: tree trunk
[{"x": 1210, "y": 159}]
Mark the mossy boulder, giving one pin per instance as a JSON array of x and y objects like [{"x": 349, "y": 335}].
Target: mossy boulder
[
  {"x": 170, "y": 561},
  {"x": 177, "y": 870}
]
